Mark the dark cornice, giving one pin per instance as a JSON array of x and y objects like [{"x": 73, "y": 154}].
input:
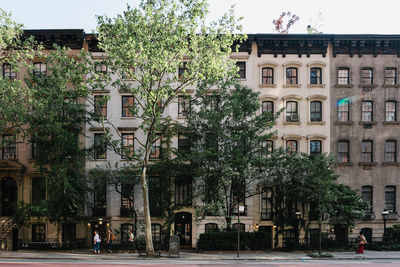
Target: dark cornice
[
  {"x": 93, "y": 42},
  {"x": 72, "y": 38},
  {"x": 365, "y": 44}
]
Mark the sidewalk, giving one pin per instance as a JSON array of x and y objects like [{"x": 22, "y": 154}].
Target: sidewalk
[{"x": 261, "y": 255}]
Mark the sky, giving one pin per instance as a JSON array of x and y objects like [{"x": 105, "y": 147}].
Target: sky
[{"x": 333, "y": 16}]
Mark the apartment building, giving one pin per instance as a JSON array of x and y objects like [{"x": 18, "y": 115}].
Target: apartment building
[{"x": 339, "y": 93}]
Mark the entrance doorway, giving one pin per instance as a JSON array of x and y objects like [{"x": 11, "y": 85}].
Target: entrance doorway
[
  {"x": 8, "y": 196},
  {"x": 341, "y": 234},
  {"x": 183, "y": 228}
]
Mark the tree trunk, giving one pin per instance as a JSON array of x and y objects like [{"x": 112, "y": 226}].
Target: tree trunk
[
  {"x": 145, "y": 189},
  {"x": 59, "y": 236}
]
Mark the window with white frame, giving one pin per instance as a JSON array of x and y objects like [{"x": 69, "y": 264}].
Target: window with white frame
[{"x": 316, "y": 76}]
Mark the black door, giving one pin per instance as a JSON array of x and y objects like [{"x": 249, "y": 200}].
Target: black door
[
  {"x": 15, "y": 239},
  {"x": 8, "y": 196},
  {"x": 341, "y": 234},
  {"x": 183, "y": 228}
]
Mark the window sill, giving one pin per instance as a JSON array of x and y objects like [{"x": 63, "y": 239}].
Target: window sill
[
  {"x": 241, "y": 79},
  {"x": 291, "y": 123},
  {"x": 367, "y": 122},
  {"x": 391, "y": 86},
  {"x": 391, "y": 122},
  {"x": 292, "y": 85},
  {"x": 267, "y": 85},
  {"x": 100, "y": 91},
  {"x": 127, "y": 118},
  {"x": 344, "y": 164},
  {"x": 344, "y": 123},
  {"x": 368, "y": 85},
  {"x": 316, "y": 123},
  {"x": 344, "y": 85},
  {"x": 391, "y": 163},
  {"x": 316, "y": 85},
  {"x": 367, "y": 164}
]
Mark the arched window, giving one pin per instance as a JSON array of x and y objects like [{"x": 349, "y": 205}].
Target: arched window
[
  {"x": 267, "y": 76},
  {"x": 316, "y": 111},
  {"x": 156, "y": 233},
  {"x": 241, "y": 227},
  {"x": 211, "y": 227},
  {"x": 291, "y": 76},
  {"x": 316, "y": 76},
  {"x": 291, "y": 146},
  {"x": 292, "y": 113},
  {"x": 315, "y": 147}
]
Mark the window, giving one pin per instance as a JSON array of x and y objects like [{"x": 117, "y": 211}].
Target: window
[
  {"x": 33, "y": 150},
  {"x": 266, "y": 204},
  {"x": 316, "y": 76},
  {"x": 183, "y": 190},
  {"x": 155, "y": 195},
  {"x": 366, "y": 76},
  {"x": 100, "y": 198},
  {"x": 38, "y": 233},
  {"x": 38, "y": 189},
  {"x": 9, "y": 147},
  {"x": 182, "y": 70},
  {"x": 366, "y": 151},
  {"x": 183, "y": 106},
  {"x": 366, "y": 195},
  {"x": 390, "y": 151},
  {"x": 101, "y": 67},
  {"x": 315, "y": 147},
  {"x": 267, "y": 76},
  {"x": 366, "y": 111},
  {"x": 155, "y": 152},
  {"x": 211, "y": 227},
  {"x": 156, "y": 233},
  {"x": 127, "y": 75},
  {"x": 390, "y": 76},
  {"x": 390, "y": 111},
  {"x": 125, "y": 228},
  {"x": 8, "y": 72},
  {"x": 242, "y": 69},
  {"x": 343, "y": 111},
  {"x": 100, "y": 146},
  {"x": 291, "y": 111},
  {"x": 291, "y": 146},
  {"x": 343, "y": 152},
  {"x": 291, "y": 76},
  {"x": 269, "y": 145},
  {"x": 100, "y": 106},
  {"x": 68, "y": 232},
  {"x": 316, "y": 111},
  {"x": 127, "y": 106},
  {"x": 343, "y": 76},
  {"x": 239, "y": 226},
  {"x": 183, "y": 144},
  {"x": 268, "y": 106},
  {"x": 390, "y": 198},
  {"x": 127, "y": 198},
  {"x": 39, "y": 69},
  {"x": 128, "y": 148}
]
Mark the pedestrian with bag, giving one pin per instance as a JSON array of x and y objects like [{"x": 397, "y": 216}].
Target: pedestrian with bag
[
  {"x": 110, "y": 239},
  {"x": 361, "y": 243},
  {"x": 132, "y": 240}
]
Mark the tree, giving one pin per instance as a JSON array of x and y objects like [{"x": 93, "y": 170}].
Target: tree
[
  {"x": 228, "y": 142},
  {"x": 54, "y": 127},
  {"x": 15, "y": 51},
  {"x": 148, "y": 44},
  {"x": 331, "y": 200}
]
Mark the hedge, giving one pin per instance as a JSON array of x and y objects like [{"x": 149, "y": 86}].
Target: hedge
[{"x": 228, "y": 241}]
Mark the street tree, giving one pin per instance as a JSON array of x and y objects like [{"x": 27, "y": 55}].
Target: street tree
[
  {"x": 148, "y": 45},
  {"x": 228, "y": 137}
]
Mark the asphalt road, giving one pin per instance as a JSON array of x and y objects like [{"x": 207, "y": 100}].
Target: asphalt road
[{"x": 155, "y": 263}]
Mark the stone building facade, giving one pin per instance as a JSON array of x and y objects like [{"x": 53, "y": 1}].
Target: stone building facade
[{"x": 339, "y": 94}]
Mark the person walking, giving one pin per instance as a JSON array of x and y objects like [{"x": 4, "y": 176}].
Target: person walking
[
  {"x": 110, "y": 239},
  {"x": 132, "y": 245},
  {"x": 96, "y": 243},
  {"x": 361, "y": 243}
]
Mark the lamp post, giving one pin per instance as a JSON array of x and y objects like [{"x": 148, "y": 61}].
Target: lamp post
[
  {"x": 385, "y": 213},
  {"x": 298, "y": 216},
  {"x": 240, "y": 209}
]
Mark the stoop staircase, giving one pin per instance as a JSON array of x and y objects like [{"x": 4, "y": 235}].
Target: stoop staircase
[{"x": 6, "y": 225}]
